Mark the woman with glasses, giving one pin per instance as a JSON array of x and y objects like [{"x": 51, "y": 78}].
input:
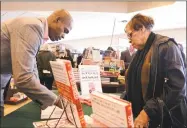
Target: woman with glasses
[{"x": 158, "y": 63}]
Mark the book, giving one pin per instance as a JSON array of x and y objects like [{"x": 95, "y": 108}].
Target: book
[
  {"x": 111, "y": 111},
  {"x": 66, "y": 85},
  {"x": 90, "y": 79}
]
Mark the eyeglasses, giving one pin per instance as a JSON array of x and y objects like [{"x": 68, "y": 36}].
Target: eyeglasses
[
  {"x": 129, "y": 35},
  {"x": 66, "y": 30},
  {"x": 67, "y": 23}
]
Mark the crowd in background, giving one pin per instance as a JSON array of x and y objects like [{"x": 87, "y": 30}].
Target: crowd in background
[{"x": 46, "y": 54}]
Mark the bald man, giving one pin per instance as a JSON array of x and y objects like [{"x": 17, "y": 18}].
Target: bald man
[{"x": 20, "y": 41}]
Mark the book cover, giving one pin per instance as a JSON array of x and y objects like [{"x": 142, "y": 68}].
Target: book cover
[
  {"x": 90, "y": 79},
  {"x": 111, "y": 111}
]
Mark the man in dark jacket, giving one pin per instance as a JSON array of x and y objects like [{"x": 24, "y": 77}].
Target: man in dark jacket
[
  {"x": 127, "y": 56},
  {"x": 44, "y": 69},
  {"x": 66, "y": 55}
]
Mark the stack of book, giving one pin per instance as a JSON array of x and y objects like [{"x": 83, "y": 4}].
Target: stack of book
[
  {"x": 105, "y": 80},
  {"x": 109, "y": 74}
]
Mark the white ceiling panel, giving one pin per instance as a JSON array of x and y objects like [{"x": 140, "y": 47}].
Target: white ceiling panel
[
  {"x": 167, "y": 17},
  {"x": 95, "y": 24},
  {"x": 9, "y": 14}
]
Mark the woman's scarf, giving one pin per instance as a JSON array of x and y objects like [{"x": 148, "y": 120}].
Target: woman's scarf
[{"x": 134, "y": 91}]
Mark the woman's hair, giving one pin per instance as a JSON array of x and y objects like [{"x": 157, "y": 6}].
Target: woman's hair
[{"x": 139, "y": 20}]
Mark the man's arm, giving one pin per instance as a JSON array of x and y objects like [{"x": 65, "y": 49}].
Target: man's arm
[{"x": 25, "y": 43}]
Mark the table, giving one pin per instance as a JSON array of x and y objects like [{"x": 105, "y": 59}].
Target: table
[{"x": 26, "y": 115}]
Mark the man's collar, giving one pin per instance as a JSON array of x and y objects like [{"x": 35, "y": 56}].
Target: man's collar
[{"x": 46, "y": 34}]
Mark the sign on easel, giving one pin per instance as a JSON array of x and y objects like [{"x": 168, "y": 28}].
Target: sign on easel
[
  {"x": 69, "y": 96},
  {"x": 90, "y": 79}
]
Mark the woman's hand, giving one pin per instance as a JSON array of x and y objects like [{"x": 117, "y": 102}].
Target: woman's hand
[{"x": 142, "y": 120}]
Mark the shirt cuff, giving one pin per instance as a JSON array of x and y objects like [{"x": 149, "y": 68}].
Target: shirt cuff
[{"x": 50, "y": 103}]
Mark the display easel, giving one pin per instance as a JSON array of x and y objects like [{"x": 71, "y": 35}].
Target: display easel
[
  {"x": 62, "y": 102},
  {"x": 68, "y": 93}
]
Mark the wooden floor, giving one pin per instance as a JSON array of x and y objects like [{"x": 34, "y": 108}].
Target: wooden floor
[{"x": 10, "y": 108}]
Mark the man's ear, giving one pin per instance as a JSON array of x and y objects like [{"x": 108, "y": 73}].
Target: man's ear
[{"x": 58, "y": 19}]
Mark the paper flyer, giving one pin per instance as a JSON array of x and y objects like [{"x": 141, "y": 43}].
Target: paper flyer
[
  {"x": 90, "y": 79},
  {"x": 45, "y": 114}
]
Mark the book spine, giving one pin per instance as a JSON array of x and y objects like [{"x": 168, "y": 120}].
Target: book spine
[
  {"x": 129, "y": 116},
  {"x": 75, "y": 93}
]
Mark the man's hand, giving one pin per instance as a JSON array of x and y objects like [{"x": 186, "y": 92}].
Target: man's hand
[
  {"x": 58, "y": 102},
  {"x": 142, "y": 120}
]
